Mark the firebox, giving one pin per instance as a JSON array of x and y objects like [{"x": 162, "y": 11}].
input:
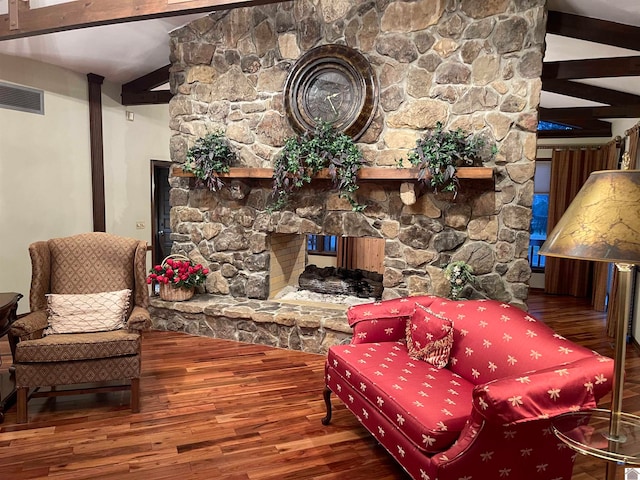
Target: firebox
[{"x": 326, "y": 264}]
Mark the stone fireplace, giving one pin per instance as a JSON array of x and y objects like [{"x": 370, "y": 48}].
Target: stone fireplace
[{"x": 468, "y": 64}]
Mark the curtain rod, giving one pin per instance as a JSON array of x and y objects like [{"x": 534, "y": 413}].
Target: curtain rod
[
  {"x": 569, "y": 147},
  {"x": 632, "y": 129},
  {"x": 617, "y": 140}
]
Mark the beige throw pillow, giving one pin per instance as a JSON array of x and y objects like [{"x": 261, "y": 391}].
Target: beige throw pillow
[
  {"x": 92, "y": 312},
  {"x": 429, "y": 336}
]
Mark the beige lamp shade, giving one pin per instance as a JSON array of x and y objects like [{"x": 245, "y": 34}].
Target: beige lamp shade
[{"x": 603, "y": 221}]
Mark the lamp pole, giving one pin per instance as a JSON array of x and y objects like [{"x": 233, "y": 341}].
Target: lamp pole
[{"x": 624, "y": 300}]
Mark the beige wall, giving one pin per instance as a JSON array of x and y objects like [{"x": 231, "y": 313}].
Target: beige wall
[
  {"x": 128, "y": 148},
  {"x": 322, "y": 261},
  {"x": 45, "y": 172}
]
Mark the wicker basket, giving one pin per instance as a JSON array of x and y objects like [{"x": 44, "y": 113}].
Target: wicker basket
[{"x": 170, "y": 293}]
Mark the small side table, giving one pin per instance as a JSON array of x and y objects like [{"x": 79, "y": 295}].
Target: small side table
[
  {"x": 8, "y": 308},
  {"x": 587, "y": 432}
]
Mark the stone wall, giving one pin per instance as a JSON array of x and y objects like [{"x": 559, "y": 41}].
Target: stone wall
[{"x": 465, "y": 63}]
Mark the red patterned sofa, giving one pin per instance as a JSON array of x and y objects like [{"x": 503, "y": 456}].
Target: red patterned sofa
[{"x": 487, "y": 413}]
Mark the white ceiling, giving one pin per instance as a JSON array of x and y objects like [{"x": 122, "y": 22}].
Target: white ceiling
[
  {"x": 121, "y": 53},
  {"x": 562, "y": 48},
  {"x": 618, "y": 11}
]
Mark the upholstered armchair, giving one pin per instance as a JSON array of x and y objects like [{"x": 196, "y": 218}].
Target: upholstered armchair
[{"x": 75, "y": 267}]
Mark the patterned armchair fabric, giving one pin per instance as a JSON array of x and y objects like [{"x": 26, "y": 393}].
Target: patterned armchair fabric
[
  {"x": 488, "y": 412},
  {"x": 82, "y": 264}
]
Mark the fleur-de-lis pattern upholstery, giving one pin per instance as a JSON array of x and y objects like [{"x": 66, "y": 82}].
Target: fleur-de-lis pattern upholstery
[
  {"x": 81, "y": 264},
  {"x": 488, "y": 413}
]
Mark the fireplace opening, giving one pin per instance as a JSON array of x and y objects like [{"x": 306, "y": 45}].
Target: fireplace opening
[{"x": 326, "y": 269}]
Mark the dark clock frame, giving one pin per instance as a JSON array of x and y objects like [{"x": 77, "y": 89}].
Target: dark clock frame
[{"x": 359, "y": 90}]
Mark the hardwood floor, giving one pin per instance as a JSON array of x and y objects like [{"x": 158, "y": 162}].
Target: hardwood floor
[{"x": 215, "y": 409}]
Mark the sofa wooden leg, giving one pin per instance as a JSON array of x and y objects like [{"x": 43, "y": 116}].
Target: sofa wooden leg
[
  {"x": 135, "y": 395},
  {"x": 22, "y": 414},
  {"x": 327, "y": 401}
]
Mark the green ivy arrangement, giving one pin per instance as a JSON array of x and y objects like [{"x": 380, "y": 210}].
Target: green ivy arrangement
[
  {"x": 440, "y": 152},
  {"x": 210, "y": 156},
  {"x": 304, "y": 156},
  {"x": 459, "y": 274}
]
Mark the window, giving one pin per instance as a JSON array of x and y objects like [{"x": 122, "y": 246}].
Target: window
[
  {"x": 552, "y": 126},
  {"x": 322, "y": 244},
  {"x": 540, "y": 213}
]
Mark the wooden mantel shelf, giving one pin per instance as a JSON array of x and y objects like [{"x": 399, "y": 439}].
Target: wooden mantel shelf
[{"x": 365, "y": 173}]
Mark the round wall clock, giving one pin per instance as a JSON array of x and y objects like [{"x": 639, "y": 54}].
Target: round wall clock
[{"x": 331, "y": 83}]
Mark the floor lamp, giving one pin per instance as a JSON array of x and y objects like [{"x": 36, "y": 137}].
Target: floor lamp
[{"x": 602, "y": 224}]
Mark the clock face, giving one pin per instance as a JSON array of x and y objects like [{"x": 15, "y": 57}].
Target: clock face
[
  {"x": 335, "y": 84},
  {"x": 330, "y": 97}
]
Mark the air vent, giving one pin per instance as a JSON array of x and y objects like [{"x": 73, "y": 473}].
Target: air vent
[{"x": 20, "y": 98}]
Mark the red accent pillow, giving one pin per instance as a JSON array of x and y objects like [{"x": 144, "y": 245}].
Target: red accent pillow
[{"x": 429, "y": 337}]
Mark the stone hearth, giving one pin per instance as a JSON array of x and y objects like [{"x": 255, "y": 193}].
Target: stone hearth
[{"x": 296, "y": 326}]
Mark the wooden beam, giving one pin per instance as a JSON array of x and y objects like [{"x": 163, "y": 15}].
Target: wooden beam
[
  {"x": 589, "y": 92},
  {"x": 97, "y": 153},
  {"x": 139, "y": 91},
  {"x": 594, "y": 30},
  {"x": 14, "y": 15},
  {"x": 81, "y": 14},
  {"x": 149, "y": 81},
  {"x": 159, "y": 97},
  {"x": 592, "y": 68},
  {"x": 576, "y": 113},
  {"x": 553, "y": 115}
]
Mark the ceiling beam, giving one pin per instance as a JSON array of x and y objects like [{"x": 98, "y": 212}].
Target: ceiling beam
[
  {"x": 589, "y": 92},
  {"x": 555, "y": 115},
  {"x": 14, "y": 7},
  {"x": 594, "y": 30},
  {"x": 81, "y": 14},
  {"x": 556, "y": 75},
  {"x": 140, "y": 91},
  {"x": 572, "y": 114},
  {"x": 146, "y": 98},
  {"x": 149, "y": 81},
  {"x": 592, "y": 68}
]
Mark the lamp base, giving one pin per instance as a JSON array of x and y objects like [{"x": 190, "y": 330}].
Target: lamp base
[{"x": 588, "y": 432}]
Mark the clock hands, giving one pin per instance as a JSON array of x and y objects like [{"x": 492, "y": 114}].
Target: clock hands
[{"x": 329, "y": 97}]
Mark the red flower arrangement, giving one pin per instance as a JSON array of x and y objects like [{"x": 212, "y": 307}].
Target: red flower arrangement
[{"x": 179, "y": 273}]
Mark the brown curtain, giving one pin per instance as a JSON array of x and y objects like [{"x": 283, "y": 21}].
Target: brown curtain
[
  {"x": 601, "y": 269},
  {"x": 570, "y": 168}
]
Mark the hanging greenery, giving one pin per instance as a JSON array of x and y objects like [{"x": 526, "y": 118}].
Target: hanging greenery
[
  {"x": 210, "y": 156},
  {"x": 304, "y": 156},
  {"x": 439, "y": 153}
]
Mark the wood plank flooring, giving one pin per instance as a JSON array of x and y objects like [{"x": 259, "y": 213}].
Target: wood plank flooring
[{"x": 216, "y": 409}]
